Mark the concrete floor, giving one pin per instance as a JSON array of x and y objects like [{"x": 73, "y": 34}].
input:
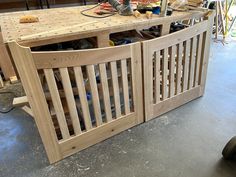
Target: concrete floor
[{"x": 186, "y": 142}]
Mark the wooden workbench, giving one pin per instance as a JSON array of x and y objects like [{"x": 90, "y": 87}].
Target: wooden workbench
[{"x": 73, "y": 26}]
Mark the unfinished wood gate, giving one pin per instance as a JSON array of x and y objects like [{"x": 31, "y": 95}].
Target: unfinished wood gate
[
  {"x": 175, "y": 68},
  {"x": 79, "y": 98}
]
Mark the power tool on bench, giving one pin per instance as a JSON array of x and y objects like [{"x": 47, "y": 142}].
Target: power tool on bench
[{"x": 123, "y": 9}]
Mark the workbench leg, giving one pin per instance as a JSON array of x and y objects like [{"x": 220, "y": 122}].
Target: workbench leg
[
  {"x": 5, "y": 61},
  {"x": 1, "y": 82},
  {"x": 164, "y": 5},
  {"x": 165, "y": 29},
  {"x": 103, "y": 39}
]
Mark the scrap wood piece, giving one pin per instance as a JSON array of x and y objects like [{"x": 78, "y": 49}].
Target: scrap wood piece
[
  {"x": 33, "y": 36},
  {"x": 20, "y": 101},
  {"x": 14, "y": 79},
  {"x": 29, "y": 19},
  {"x": 149, "y": 14},
  {"x": 137, "y": 13}
]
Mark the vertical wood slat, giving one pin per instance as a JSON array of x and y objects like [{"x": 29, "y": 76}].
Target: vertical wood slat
[
  {"x": 125, "y": 86},
  {"x": 70, "y": 100},
  {"x": 148, "y": 83},
  {"x": 94, "y": 92},
  {"x": 198, "y": 60},
  {"x": 192, "y": 61},
  {"x": 186, "y": 65},
  {"x": 57, "y": 103},
  {"x": 172, "y": 70},
  {"x": 157, "y": 76},
  {"x": 116, "y": 90},
  {"x": 83, "y": 98},
  {"x": 164, "y": 73},
  {"x": 105, "y": 91},
  {"x": 179, "y": 67}
]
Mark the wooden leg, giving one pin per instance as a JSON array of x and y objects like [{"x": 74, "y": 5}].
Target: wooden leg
[
  {"x": 164, "y": 4},
  {"x": 1, "y": 82},
  {"x": 165, "y": 29},
  {"x": 5, "y": 61},
  {"x": 103, "y": 39}
]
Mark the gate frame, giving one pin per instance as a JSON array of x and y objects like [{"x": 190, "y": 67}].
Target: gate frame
[
  {"x": 28, "y": 63},
  {"x": 149, "y": 47}
]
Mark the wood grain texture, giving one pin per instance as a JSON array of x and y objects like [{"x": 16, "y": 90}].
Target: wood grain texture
[
  {"x": 66, "y": 17},
  {"x": 125, "y": 86},
  {"x": 186, "y": 64},
  {"x": 105, "y": 91},
  {"x": 172, "y": 71},
  {"x": 83, "y": 98},
  {"x": 164, "y": 74},
  {"x": 6, "y": 64},
  {"x": 116, "y": 89},
  {"x": 192, "y": 62},
  {"x": 157, "y": 76},
  {"x": 198, "y": 60},
  {"x": 94, "y": 92},
  {"x": 71, "y": 102},
  {"x": 31, "y": 83},
  {"x": 73, "y": 58},
  {"x": 179, "y": 68},
  {"x": 56, "y": 100}
]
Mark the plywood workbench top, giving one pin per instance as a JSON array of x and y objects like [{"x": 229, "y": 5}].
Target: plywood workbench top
[{"x": 63, "y": 24}]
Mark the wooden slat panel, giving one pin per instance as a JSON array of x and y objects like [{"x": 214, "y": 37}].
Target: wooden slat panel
[
  {"x": 94, "y": 92},
  {"x": 125, "y": 86},
  {"x": 192, "y": 61},
  {"x": 179, "y": 68},
  {"x": 116, "y": 90},
  {"x": 71, "y": 101},
  {"x": 105, "y": 91},
  {"x": 57, "y": 103},
  {"x": 172, "y": 70},
  {"x": 79, "y": 58},
  {"x": 198, "y": 58},
  {"x": 175, "y": 101},
  {"x": 157, "y": 76},
  {"x": 83, "y": 98},
  {"x": 186, "y": 65},
  {"x": 164, "y": 74}
]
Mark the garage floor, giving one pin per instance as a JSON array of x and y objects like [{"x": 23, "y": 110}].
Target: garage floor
[{"x": 186, "y": 142}]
